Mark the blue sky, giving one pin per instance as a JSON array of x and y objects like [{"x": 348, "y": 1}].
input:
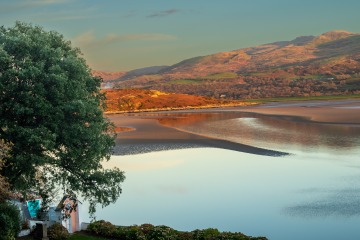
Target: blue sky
[{"x": 119, "y": 35}]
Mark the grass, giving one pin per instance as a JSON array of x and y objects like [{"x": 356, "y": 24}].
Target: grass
[
  {"x": 285, "y": 99},
  {"x": 185, "y": 81},
  {"x": 223, "y": 75},
  {"x": 353, "y": 80},
  {"x": 351, "y": 84},
  {"x": 85, "y": 236}
]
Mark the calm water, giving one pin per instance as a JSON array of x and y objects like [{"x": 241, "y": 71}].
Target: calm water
[{"x": 313, "y": 193}]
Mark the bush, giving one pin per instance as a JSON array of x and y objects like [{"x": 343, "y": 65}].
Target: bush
[
  {"x": 130, "y": 233},
  {"x": 162, "y": 233},
  {"x": 58, "y": 232},
  {"x": 206, "y": 234},
  {"x": 233, "y": 236},
  {"x": 184, "y": 236},
  {"x": 102, "y": 228},
  {"x": 150, "y": 232},
  {"x": 146, "y": 228},
  {"x": 9, "y": 221}
]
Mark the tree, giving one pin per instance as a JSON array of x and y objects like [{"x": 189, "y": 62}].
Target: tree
[
  {"x": 51, "y": 114},
  {"x": 4, "y": 185}
]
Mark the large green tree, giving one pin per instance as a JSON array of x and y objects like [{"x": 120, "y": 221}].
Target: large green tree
[{"x": 51, "y": 114}]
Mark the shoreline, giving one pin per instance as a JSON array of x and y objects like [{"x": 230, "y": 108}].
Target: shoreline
[
  {"x": 313, "y": 111},
  {"x": 169, "y": 109}
]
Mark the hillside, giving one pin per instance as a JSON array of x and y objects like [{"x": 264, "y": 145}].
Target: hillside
[
  {"x": 108, "y": 77},
  {"x": 306, "y": 66},
  {"x": 130, "y": 100}
]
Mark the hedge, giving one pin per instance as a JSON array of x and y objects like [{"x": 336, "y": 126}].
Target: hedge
[{"x": 151, "y": 232}]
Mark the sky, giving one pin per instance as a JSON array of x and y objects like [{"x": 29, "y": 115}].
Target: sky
[{"x": 121, "y": 35}]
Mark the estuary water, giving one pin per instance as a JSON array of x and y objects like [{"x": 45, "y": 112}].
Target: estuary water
[{"x": 311, "y": 193}]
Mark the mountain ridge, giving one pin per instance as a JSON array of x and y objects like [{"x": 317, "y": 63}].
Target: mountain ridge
[{"x": 304, "y": 62}]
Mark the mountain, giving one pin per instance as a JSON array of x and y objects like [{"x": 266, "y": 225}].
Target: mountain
[
  {"x": 142, "y": 71},
  {"x": 308, "y": 65},
  {"x": 108, "y": 77}
]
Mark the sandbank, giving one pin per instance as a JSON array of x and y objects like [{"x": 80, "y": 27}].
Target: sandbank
[
  {"x": 330, "y": 111},
  {"x": 148, "y": 134}
]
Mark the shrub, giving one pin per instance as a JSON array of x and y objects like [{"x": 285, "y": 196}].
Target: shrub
[
  {"x": 146, "y": 228},
  {"x": 9, "y": 221},
  {"x": 102, "y": 228},
  {"x": 184, "y": 236},
  {"x": 233, "y": 236},
  {"x": 206, "y": 234},
  {"x": 58, "y": 232},
  {"x": 129, "y": 233},
  {"x": 162, "y": 233},
  {"x": 150, "y": 232}
]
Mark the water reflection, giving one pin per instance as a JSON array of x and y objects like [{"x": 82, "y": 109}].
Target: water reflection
[
  {"x": 311, "y": 194},
  {"x": 150, "y": 136},
  {"x": 268, "y": 132},
  {"x": 338, "y": 203},
  {"x": 292, "y": 197}
]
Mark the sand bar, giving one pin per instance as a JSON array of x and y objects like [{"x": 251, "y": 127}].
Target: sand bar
[
  {"x": 150, "y": 135},
  {"x": 332, "y": 111}
]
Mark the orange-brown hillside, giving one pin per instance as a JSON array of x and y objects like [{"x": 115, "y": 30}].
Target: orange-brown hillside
[
  {"x": 108, "y": 77},
  {"x": 125, "y": 100},
  {"x": 328, "y": 64}
]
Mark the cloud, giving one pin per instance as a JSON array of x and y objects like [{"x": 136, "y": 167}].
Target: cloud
[
  {"x": 89, "y": 38},
  {"x": 69, "y": 14},
  {"x": 163, "y": 13},
  {"x": 16, "y": 5},
  {"x": 44, "y": 2}
]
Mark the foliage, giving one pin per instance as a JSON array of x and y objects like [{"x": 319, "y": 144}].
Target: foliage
[
  {"x": 102, "y": 228},
  {"x": 162, "y": 233},
  {"x": 58, "y": 232},
  {"x": 4, "y": 185},
  {"x": 150, "y": 232},
  {"x": 51, "y": 112},
  {"x": 151, "y": 100},
  {"x": 130, "y": 233},
  {"x": 186, "y": 81},
  {"x": 206, "y": 234},
  {"x": 222, "y": 75},
  {"x": 9, "y": 221}
]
